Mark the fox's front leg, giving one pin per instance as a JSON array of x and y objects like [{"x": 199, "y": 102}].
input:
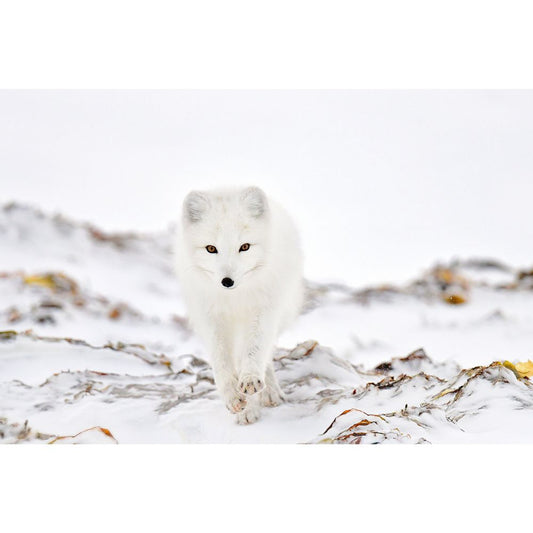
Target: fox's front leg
[
  {"x": 257, "y": 355},
  {"x": 272, "y": 395},
  {"x": 224, "y": 372}
]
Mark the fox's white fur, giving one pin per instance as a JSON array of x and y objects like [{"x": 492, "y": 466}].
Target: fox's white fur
[{"x": 240, "y": 324}]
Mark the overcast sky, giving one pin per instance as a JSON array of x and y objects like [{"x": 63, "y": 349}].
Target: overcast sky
[{"x": 381, "y": 183}]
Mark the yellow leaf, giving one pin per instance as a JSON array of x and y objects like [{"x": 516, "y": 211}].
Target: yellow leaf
[
  {"x": 56, "y": 281},
  {"x": 443, "y": 393},
  {"x": 8, "y": 334},
  {"x": 444, "y": 274},
  {"x": 43, "y": 281},
  {"x": 522, "y": 370},
  {"x": 455, "y": 299},
  {"x": 526, "y": 369}
]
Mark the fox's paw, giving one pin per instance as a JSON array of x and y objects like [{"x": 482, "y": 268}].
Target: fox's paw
[
  {"x": 236, "y": 404},
  {"x": 249, "y": 415},
  {"x": 250, "y": 384},
  {"x": 272, "y": 397}
]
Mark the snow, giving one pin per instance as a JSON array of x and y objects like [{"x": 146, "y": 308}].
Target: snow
[{"x": 95, "y": 348}]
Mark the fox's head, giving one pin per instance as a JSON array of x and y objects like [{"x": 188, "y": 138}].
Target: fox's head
[{"x": 227, "y": 234}]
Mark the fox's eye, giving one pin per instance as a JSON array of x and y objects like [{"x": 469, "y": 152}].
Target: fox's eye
[
  {"x": 244, "y": 247},
  {"x": 211, "y": 249}
]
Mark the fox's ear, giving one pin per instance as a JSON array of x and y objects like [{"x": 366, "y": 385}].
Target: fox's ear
[
  {"x": 255, "y": 200},
  {"x": 195, "y": 206}
]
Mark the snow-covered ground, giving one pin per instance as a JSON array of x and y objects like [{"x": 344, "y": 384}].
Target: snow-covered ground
[{"x": 94, "y": 347}]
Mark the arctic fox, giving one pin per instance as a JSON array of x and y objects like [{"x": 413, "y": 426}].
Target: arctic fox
[{"x": 239, "y": 260}]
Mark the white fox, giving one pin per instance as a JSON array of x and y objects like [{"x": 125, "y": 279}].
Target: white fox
[{"x": 239, "y": 260}]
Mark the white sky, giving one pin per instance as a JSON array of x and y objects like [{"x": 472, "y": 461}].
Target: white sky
[{"x": 381, "y": 183}]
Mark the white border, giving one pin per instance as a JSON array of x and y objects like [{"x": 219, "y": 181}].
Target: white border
[
  {"x": 264, "y": 488},
  {"x": 275, "y": 44}
]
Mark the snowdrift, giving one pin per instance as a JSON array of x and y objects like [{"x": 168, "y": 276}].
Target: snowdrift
[{"x": 94, "y": 348}]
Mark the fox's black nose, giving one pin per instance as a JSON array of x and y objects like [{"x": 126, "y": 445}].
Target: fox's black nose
[{"x": 227, "y": 282}]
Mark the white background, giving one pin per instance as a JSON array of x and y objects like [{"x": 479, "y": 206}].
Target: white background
[{"x": 381, "y": 183}]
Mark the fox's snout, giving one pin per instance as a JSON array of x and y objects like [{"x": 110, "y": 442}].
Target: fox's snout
[{"x": 227, "y": 282}]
